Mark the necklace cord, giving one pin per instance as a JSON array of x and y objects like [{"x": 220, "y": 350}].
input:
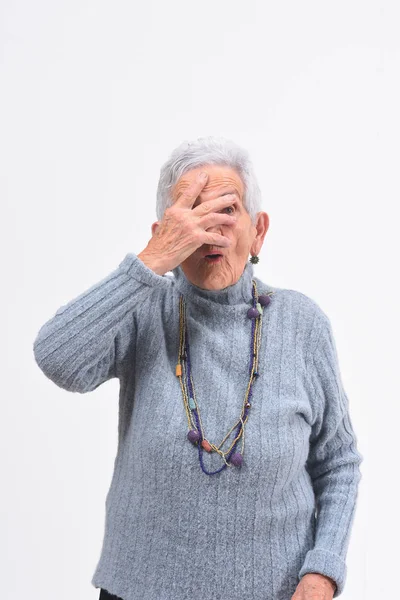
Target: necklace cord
[{"x": 183, "y": 371}]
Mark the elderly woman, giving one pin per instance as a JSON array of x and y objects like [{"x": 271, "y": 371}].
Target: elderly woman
[{"x": 237, "y": 470}]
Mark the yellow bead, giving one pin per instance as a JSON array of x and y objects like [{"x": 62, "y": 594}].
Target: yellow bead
[{"x": 178, "y": 370}]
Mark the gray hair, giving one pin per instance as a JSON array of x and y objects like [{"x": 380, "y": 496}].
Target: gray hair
[{"x": 206, "y": 151}]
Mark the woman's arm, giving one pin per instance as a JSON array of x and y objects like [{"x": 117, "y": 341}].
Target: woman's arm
[
  {"x": 333, "y": 463},
  {"x": 85, "y": 342}
]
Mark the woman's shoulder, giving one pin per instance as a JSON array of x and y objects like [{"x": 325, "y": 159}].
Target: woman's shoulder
[{"x": 292, "y": 299}]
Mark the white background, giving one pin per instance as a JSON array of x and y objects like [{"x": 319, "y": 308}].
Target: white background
[{"x": 94, "y": 96}]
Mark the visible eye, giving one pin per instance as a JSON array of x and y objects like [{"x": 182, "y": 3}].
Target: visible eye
[{"x": 232, "y": 208}]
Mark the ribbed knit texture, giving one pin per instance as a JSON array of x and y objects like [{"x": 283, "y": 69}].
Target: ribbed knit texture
[{"x": 247, "y": 533}]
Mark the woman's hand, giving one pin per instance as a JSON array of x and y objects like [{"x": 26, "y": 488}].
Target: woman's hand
[
  {"x": 183, "y": 228},
  {"x": 314, "y": 586}
]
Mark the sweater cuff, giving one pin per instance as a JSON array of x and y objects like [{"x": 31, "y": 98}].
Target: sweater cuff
[
  {"x": 326, "y": 563},
  {"x": 135, "y": 268}
]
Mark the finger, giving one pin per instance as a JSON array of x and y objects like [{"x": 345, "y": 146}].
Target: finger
[
  {"x": 214, "y": 205},
  {"x": 188, "y": 196},
  {"x": 215, "y": 239},
  {"x": 216, "y": 219}
]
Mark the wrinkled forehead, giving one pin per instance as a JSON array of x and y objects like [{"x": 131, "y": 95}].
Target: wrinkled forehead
[{"x": 221, "y": 180}]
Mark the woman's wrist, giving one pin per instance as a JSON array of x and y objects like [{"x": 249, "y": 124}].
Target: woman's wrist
[
  {"x": 324, "y": 578},
  {"x": 152, "y": 262}
]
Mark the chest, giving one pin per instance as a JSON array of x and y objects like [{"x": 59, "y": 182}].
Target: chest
[{"x": 278, "y": 425}]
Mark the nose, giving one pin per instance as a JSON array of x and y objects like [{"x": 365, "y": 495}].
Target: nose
[{"x": 219, "y": 228}]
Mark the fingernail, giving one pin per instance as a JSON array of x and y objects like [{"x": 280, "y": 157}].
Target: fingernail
[{"x": 203, "y": 176}]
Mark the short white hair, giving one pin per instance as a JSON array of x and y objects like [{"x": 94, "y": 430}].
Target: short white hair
[{"x": 205, "y": 151}]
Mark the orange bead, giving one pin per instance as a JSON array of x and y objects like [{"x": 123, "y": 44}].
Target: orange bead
[
  {"x": 178, "y": 370},
  {"x": 206, "y": 446}
]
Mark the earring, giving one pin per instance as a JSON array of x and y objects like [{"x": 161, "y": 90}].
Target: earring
[{"x": 254, "y": 259}]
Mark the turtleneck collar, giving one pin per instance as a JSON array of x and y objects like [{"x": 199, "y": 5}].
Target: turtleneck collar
[{"x": 239, "y": 292}]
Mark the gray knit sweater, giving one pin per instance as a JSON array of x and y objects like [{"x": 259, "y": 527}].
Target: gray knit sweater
[{"x": 173, "y": 532}]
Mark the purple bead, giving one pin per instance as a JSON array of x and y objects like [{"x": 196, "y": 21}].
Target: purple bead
[
  {"x": 264, "y": 300},
  {"x": 252, "y": 313},
  {"x": 236, "y": 459},
  {"x": 193, "y": 436}
]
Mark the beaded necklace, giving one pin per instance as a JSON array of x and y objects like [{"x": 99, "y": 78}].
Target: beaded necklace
[{"x": 196, "y": 436}]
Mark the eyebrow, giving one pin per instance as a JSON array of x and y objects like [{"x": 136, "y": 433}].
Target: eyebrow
[
  {"x": 225, "y": 193},
  {"x": 237, "y": 199},
  {"x": 231, "y": 191}
]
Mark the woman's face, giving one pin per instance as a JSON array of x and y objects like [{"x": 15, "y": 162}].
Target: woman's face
[{"x": 246, "y": 238}]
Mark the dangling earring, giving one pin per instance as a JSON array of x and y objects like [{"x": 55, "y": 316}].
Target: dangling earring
[{"x": 254, "y": 259}]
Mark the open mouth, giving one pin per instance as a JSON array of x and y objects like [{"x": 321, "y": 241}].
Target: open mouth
[{"x": 212, "y": 258}]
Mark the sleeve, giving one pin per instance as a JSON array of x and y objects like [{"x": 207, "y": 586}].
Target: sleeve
[
  {"x": 85, "y": 342},
  {"x": 333, "y": 463}
]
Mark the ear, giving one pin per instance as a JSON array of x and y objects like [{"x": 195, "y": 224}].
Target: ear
[
  {"x": 154, "y": 227},
  {"x": 262, "y": 226}
]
